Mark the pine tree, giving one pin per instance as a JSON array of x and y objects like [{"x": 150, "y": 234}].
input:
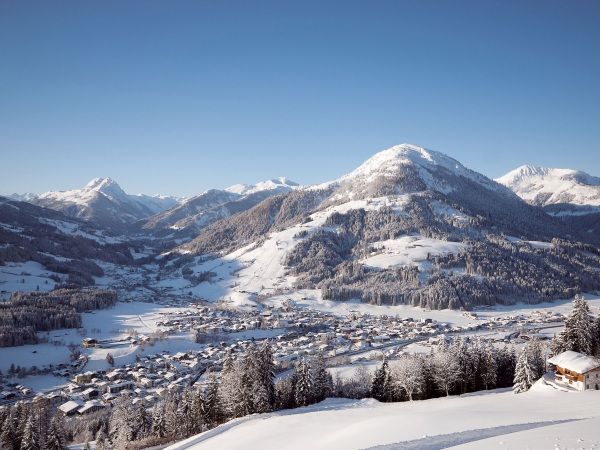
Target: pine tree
[
  {"x": 184, "y": 414},
  {"x": 141, "y": 422},
  {"x": 172, "y": 420},
  {"x": 230, "y": 387},
  {"x": 159, "y": 421},
  {"x": 212, "y": 406},
  {"x": 30, "y": 440},
  {"x": 267, "y": 372},
  {"x": 102, "y": 440},
  {"x": 8, "y": 435},
  {"x": 304, "y": 385},
  {"x": 489, "y": 366},
  {"x": 198, "y": 411},
  {"x": 56, "y": 435},
  {"x": 121, "y": 430},
  {"x": 524, "y": 374},
  {"x": 323, "y": 381},
  {"x": 536, "y": 356},
  {"x": 380, "y": 378},
  {"x": 578, "y": 334}
]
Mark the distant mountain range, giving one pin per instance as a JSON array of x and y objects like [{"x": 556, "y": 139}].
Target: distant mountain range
[
  {"x": 103, "y": 203},
  {"x": 187, "y": 218}
]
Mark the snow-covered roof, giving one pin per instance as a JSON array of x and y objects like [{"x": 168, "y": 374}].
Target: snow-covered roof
[
  {"x": 577, "y": 362},
  {"x": 69, "y": 406}
]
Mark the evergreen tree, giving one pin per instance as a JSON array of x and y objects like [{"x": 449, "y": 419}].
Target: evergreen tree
[
  {"x": 8, "y": 435},
  {"x": 30, "y": 439},
  {"x": 141, "y": 423},
  {"x": 489, "y": 366},
  {"x": 212, "y": 406},
  {"x": 159, "y": 421},
  {"x": 323, "y": 381},
  {"x": 536, "y": 355},
  {"x": 524, "y": 374},
  {"x": 267, "y": 372},
  {"x": 102, "y": 440},
  {"x": 121, "y": 427},
  {"x": 578, "y": 334},
  {"x": 56, "y": 434},
  {"x": 303, "y": 392},
  {"x": 380, "y": 382}
]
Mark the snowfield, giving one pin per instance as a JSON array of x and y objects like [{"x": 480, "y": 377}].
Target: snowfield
[
  {"x": 539, "y": 419},
  {"x": 409, "y": 250}
]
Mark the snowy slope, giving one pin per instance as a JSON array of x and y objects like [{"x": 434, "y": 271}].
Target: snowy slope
[
  {"x": 40, "y": 247},
  {"x": 545, "y": 186},
  {"x": 529, "y": 420}
]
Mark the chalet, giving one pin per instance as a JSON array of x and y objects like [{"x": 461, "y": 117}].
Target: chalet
[
  {"x": 118, "y": 387},
  {"x": 84, "y": 378},
  {"x": 69, "y": 408},
  {"x": 90, "y": 407},
  {"x": 90, "y": 393},
  {"x": 576, "y": 370}
]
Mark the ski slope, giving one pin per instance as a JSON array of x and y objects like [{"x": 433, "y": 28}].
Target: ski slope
[{"x": 538, "y": 419}]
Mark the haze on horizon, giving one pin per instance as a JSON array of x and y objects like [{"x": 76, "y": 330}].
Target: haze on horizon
[{"x": 176, "y": 98}]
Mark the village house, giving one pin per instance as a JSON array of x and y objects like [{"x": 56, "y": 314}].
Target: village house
[{"x": 576, "y": 370}]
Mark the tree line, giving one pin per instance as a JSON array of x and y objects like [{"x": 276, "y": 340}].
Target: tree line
[{"x": 27, "y": 313}]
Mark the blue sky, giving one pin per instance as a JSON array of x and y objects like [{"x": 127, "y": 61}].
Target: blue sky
[{"x": 176, "y": 97}]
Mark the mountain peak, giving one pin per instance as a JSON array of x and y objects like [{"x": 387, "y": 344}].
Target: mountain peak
[
  {"x": 282, "y": 184},
  {"x": 98, "y": 184},
  {"x": 409, "y": 165},
  {"x": 545, "y": 186}
]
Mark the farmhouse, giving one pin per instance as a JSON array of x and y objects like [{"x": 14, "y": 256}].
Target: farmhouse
[{"x": 576, "y": 370}]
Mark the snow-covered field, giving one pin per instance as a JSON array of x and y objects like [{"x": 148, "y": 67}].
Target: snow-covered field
[
  {"x": 114, "y": 323},
  {"x": 539, "y": 419},
  {"x": 409, "y": 250},
  {"x": 27, "y": 276}
]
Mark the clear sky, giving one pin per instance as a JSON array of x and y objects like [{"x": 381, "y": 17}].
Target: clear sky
[{"x": 179, "y": 96}]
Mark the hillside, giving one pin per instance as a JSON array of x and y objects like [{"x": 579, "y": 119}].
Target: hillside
[
  {"x": 188, "y": 218},
  {"x": 493, "y": 419},
  {"x": 42, "y": 248},
  {"x": 409, "y": 226}
]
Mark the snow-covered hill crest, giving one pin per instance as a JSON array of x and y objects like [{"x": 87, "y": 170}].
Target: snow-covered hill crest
[{"x": 544, "y": 186}]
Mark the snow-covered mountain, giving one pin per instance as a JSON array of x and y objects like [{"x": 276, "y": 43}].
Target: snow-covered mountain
[
  {"x": 103, "y": 202},
  {"x": 42, "y": 247},
  {"x": 544, "y": 186},
  {"x": 190, "y": 216},
  {"x": 409, "y": 225},
  {"x": 406, "y": 168},
  {"x": 281, "y": 184}
]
